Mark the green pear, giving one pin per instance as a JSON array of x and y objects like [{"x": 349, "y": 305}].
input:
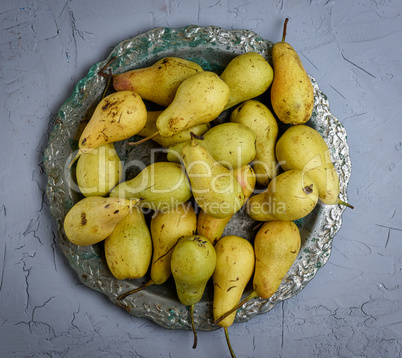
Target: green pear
[
  {"x": 99, "y": 171},
  {"x": 93, "y": 219},
  {"x": 303, "y": 148},
  {"x": 291, "y": 195},
  {"x": 128, "y": 249},
  {"x": 256, "y": 116},
  {"x": 215, "y": 188},
  {"x": 199, "y": 99},
  {"x": 230, "y": 144},
  {"x": 192, "y": 264},
  {"x": 157, "y": 83},
  {"x": 276, "y": 247},
  {"x": 248, "y": 75},
  {"x": 292, "y": 93},
  {"x": 160, "y": 186}
]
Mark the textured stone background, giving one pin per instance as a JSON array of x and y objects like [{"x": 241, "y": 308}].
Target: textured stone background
[{"x": 352, "y": 308}]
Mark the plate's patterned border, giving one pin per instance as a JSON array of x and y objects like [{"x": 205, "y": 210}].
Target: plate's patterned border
[{"x": 159, "y": 304}]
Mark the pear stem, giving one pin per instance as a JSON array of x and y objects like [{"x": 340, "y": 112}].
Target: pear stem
[
  {"x": 193, "y": 326},
  {"x": 228, "y": 313},
  {"x": 228, "y": 342},
  {"x": 128, "y": 293},
  {"x": 341, "y": 202},
  {"x": 74, "y": 159},
  {"x": 285, "y": 25},
  {"x": 102, "y": 70},
  {"x": 144, "y": 139},
  {"x": 108, "y": 83}
]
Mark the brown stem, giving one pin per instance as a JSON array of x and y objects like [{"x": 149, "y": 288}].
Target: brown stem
[
  {"x": 341, "y": 202},
  {"x": 109, "y": 81},
  {"x": 144, "y": 139},
  {"x": 228, "y": 342},
  {"x": 128, "y": 293},
  {"x": 228, "y": 313},
  {"x": 285, "y": 25},
  {"x": 102, "y": 70},
  {"x": 193, "y": 326}
]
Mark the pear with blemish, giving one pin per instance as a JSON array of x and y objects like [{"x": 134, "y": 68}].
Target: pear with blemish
[
  {"x": 93, "y": 219},
  {"x": 234, "y": 269},
  {"x": 157, "y": 83},
  {"x": 256, "y": 116},
  {"x": 128, "y": 249},
  {"x": 276, "y": 247},
  {"x": 248, "y": 75}
]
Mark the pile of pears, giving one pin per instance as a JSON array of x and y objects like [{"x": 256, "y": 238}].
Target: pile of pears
[{"x": 212, "y": 171}]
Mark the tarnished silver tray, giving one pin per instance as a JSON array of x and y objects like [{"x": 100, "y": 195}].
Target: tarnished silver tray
[{"x": 211, "y": 47}]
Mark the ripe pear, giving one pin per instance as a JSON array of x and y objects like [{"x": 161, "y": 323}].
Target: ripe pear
[
  {"x": 166, "y": 228},
  {"x": 292, "y": 93},
  {"x": 160, "y": 186},
  {"x": 199, "y": 99},
  {"x": 256, "y": 116},
  {"x": 99, "y": 171},
  {"x": 230, "y": 144},
  {"x": 150, "y": 129},
  {"x": 192, "y": 263},
  {"x": 212, "y": 228},
  {"x": 215, "y": 188},
  {"x": 290, "y": 196},
  {"x": 302, "y": 147},
  {"x": 248, "y": 75},
  {"x": 128, "y": 249},
  {"x": 234, "y": 269},
  {"x": 93, "y": 219},
  {"x": 157, "y": 83},
  {"x": 276, "y": 247}
]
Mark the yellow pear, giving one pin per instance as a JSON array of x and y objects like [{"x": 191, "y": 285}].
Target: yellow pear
[
  {"x": 248, "y": 75},
  {"x": 256, "y": 116},
  {"x": 215, "y": 188},
  {"x": 157, "y": 83},
  {"x": 292, "y": 94},
  {"x": 93, "y": 219},
  {"x": 291, "y": 195},
  {"x": 276, "y": 247},
  {"x": 160, "y": 186},
  {"x": 99, "y": 171},
  {"x": 234, "y": 269},
  {"x": 199, "y": 99},
  {"x": 302, "y": 147},
  {"x": 128, "y": 249}
]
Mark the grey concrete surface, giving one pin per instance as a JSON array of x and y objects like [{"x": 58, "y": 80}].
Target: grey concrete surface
[{"x": 352, "y": 308}]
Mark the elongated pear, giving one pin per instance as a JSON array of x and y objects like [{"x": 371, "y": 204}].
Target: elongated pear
[
  {"x": 276, "y": 247},
  {"x": 256, "y": 116},
  {"x": 99, "y": 171},
  {"x": 128, "y": 249},
  {"x": 199, "y": 99},
  {"x": 215, "y": 188},
  {"x": 192, "y": 263},
  {"x": 292, "y": 94},
  {"x": 248, "y": 75},
  {"x": 302, "y": 147},
  {"x": 93, "y": 219},
  {"x": 291, "y": 195},
  {"x": 160, "y": 186},
  {"x": 157, "y": 83},
  {"x": 230, "y": 144},
  {"x": 211, "y": 227}
]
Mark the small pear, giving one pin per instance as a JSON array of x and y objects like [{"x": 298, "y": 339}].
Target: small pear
[
  {"x": 128, "y": 249},
  {"x": 230, "y": 144},
  {"x": 211, "y": 227},
  {"x": 234, "y": 269},
  {"x": 157, "y": 83},
  {"x": 292, "y": 93},
  {"x": 248, "y": 75},
  {"x": 99, "y": 171},
  {"x": 93, "y": 219},
  {"x": 161, "y": 186},
  {"x": 256, "y": 116},
  {"x": 215, "y": 188},
  {"x": 199, "y": 99},
  {"x": 291, "y": 195},
  {"x": 302, "y": 147},
  {"x": 192, "y": 263},
  {"x": 276, "y": 247}
]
